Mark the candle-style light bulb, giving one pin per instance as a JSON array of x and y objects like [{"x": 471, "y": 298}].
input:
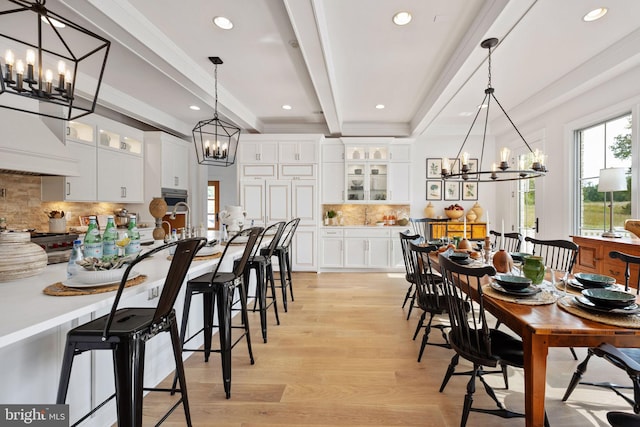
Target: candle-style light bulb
[
  {"x": 61, "y": 67},
  {"x": 48, "y": 78},
  {"x": 19, "y": 74},
  {"x": 61, "y": 71},
  {"x": 445, "y": 165},
  {"x": 504, "y": 158},
  {"x": 31, "y": 60},
  {"x": 207, "y": 148},
  {"x": 494, "y": 168},
  {"x": 9, "y": 60},
  {"x": 465, "y": 158}
]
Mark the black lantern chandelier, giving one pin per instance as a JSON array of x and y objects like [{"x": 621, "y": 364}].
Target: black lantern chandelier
[
  {"x": 500, "y": 171},
  {"x": 216, "y": 140},
  {"x": 51, "y": 66}
]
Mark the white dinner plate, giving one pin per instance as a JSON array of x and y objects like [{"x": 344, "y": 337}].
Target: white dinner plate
[
  {"x": 209, "y": 250},
  {"x": 78, "y": 282}
]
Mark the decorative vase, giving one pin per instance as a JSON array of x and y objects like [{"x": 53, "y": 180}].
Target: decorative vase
[
  {"x": 471, "y": 215},
  {"x": 479, "y": 210},
  {"x": 19, "y": 256},
  {"x": 502, "y": 261},
  {"x": 429, "y": 211},
  {"x": 533, "y": 269},
  {"x": 464, "y": 244},
  {"x": 158, "y": 209}
]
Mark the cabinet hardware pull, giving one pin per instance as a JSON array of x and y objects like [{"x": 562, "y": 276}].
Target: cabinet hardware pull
[{"x": 68, "y": 188}]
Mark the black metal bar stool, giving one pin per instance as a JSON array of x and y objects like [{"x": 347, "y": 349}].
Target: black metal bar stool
[
  {"x": 125, "y": 331},
  {"x": 218, "y": 288},
  {"x": 263, "y": 268},
  {"x": 283, "y": 253}
]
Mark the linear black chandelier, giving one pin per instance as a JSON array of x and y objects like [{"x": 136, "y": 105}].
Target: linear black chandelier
[
  {"x": 216, "y": 140},
  {"x": 36, "y": 41},
  {"x": 499, "y": 171}
]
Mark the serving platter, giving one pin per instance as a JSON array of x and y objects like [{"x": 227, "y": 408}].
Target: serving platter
[
  {"x": 584, "y": 303},
  {"x": 80, "y": 283},
  {"x": 528, "y": 291}
]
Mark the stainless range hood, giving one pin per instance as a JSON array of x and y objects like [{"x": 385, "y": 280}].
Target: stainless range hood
[{"x": 34, "y": 145}]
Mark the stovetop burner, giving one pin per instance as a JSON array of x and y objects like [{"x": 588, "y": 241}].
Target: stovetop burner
[{"x": 54, "y": 243}]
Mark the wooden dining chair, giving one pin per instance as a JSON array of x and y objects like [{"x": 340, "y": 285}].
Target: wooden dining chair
[
  {"x": 559, "y": 255},
  {"x": 472, "y": 338},
  {"x": 405, "y": 239},
  {"x": 627, "y": 359},
  {"x": 622, "y": 419},
  {"x": 629, "y": 261},
  {"x": 512, "y": 241},
  {"x": 422, "y": 226},
  {"x": 428, "y": 295}
]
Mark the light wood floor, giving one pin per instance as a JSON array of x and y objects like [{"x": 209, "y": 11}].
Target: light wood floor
[{"x": 343, "y": 356}]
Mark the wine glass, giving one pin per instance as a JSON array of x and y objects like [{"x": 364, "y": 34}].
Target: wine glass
[{"x": 122, "y": 242}]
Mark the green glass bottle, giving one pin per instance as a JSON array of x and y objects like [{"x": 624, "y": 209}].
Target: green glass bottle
[
  {"x": 109, "y": 237},
  {"x": 92, "y": 240},
  {"x": 134, "y": 235}
]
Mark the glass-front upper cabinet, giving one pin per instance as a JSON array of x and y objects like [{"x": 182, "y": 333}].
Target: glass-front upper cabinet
[
  {"x": 366, "y": 152},
  {"x": 109, "y": 139},
  {"x": 366, "y": 181},
  {"x": 81, "y": 132}
]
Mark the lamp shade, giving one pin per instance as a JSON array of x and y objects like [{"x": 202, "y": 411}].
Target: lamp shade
[{"x": 612, "y": 179}]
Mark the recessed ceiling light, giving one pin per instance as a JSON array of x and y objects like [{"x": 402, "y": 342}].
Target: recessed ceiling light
[
  {"x": 380, "y": 106},
  {"x": 223, "y": 22},
  {"x": 194, "y": 107},
  {"x": 286, "y": 107},
  {"x": 54, "y": 22},
  {"x": 402, "y": 18},
  {"x": 595, "y": 14}
]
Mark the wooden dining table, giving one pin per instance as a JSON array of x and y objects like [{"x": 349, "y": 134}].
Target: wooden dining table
[{"x": 544, "y": 326}]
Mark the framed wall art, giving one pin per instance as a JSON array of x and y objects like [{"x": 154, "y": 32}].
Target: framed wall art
[
  {"x": 451, "y": 190},
  {"x": 434, "y": 168},
  {"x": 469, "y": 191},
  {"x": 434, "y": 190},
  {"x": 473, "y": 167}
]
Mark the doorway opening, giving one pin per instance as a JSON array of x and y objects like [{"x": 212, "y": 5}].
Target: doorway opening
[{"x": 213, "y": 205}]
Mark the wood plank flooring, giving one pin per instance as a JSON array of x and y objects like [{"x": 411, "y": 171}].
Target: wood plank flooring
[{"x": 343, "y": 356}]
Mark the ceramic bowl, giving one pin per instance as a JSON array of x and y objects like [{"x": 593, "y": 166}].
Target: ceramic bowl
[
  {"x": 454, "y": 214},
  {"x": 609, "y": 298},
  {"x": 512, "y": 283},
  {"x": 594, "y": 280},
  {"x": 458, "y": 256},
  {"x": 356, "y": 182},
  {"x": 519, "y": 256}
]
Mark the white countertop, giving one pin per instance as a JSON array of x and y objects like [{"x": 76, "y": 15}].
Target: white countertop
[{"x": 26, "y": 311}]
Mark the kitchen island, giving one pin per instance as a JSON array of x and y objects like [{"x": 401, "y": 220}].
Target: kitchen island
[{"x": 33, "y": 329}]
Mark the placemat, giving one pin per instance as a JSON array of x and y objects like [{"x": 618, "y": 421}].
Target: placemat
[
  {"x": 60, "y": 290},
  {"x": 201, "y": 258},
  {"x": 625, "y": 321},
  {"x": 541, "y": 298}
]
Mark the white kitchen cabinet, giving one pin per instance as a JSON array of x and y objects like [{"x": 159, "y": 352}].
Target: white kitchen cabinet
[
  {"x": 298, "y": 152},
  {"x": 333, "y": 183},
  {"x": 399, "y": 182},
  {"x": 375, "y": 149},
  {"x": 80, "y": 188},
  {"x": 304, "y": 256},
  {"x": 331, "y": 248},
  {"x": 361, "y": 252},
  {"x": 366, "y": 181},
  {"x": 400, "y": 152},
  {"x": 396, "y": 260},
  {"x": 175, "y": 163},
  {"x": 252, "y": 199},
  {"x": 304, "y": 203},
  {"x": 258, "y": 151},
  {"x": 120, "y": 177},
  {"x": 277, "y": 201},
  {"x": 332, "y": 151}
]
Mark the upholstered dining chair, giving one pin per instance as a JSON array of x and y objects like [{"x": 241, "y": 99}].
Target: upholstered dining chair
[
  {"x": 512, "y": 241},
  {"x": 472, "y": 338},
  {"x": 428, "y": 296},
  {"x": 627, "y": 359},
  {"x": 559, "y": 255},
  {"x": 125, "y": 331}
]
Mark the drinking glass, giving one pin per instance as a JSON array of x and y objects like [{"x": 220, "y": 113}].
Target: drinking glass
[{"x": 122, "y": 242}]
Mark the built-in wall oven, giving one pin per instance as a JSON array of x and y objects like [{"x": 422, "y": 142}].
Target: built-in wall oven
[{"x": 173, "y": 196}]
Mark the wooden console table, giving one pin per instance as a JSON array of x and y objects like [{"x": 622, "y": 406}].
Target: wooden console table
[
  {"x": 593, "y": 256},
  {"x": 475, "y": 230}
]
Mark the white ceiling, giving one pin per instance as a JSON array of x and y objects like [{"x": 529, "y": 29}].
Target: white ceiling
[{"x": 334, "y": 60}]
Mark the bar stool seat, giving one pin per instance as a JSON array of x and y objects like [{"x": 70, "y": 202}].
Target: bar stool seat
[
  {"x": 218, "y": 289},
  {"x": 263, "y": 268},
  {"x": 283, "y": 254},
  {"x": 125, "y": 332}
]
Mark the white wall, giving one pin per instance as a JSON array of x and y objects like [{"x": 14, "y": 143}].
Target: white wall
[{"x": 604, "y": 102}]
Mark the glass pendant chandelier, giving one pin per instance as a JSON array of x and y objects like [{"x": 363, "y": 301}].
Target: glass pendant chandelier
[
  {"x": 461, "y": 169},
  {"x": 216, "y": 140}
]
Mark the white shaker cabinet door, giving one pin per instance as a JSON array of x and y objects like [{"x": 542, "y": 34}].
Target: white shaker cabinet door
[
  {"x": 331, "y": 252},
  {"x": 304, "y": 249},
  {"x": 278, "y": 201},
  {"x": 304, "y": 203},
  {"x": 120, "y": 177},
  {"x": 252, "y": 199},
  {"x": 378, "y": 253},
  {"x": 355, "y": 252}
]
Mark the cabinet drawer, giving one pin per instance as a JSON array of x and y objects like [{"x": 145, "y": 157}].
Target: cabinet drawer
[
  {"x": 615, "y": 268},
  {"x": 588, "y": 258},
  {"x": 259, "y": 171},
  {"x": 366, "y": 232},
  {"x": 338, "y": 232},
  {"x": 292, "y": 171}
]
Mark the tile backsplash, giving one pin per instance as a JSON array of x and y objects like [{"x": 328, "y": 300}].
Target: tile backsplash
[
  {"x": 355, "y": 214},
  {"x": 23, "y": 208}
]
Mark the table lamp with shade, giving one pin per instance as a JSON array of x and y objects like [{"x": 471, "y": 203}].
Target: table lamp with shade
[{"x": 612, "y": 179}]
